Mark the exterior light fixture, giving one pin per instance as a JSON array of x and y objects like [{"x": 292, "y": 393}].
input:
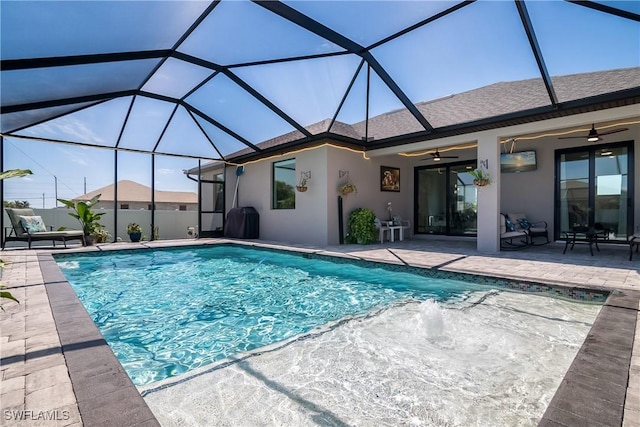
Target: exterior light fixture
[{"x": 593, "y": 134}]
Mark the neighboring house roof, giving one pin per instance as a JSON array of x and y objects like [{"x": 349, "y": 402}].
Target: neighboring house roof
[
  {"x": 497, "y": 99},
  {"x": 130, "y": 191}
]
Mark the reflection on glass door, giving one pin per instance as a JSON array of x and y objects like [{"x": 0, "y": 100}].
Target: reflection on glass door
[
  {"x": 432, "y": 200},
  {"x": 446, "y": 200},
  {"x": 464, "y": 201},
  {"x": 610, "y": 208},
  {"x": 594, "y": 189},
  {"x": 574, "y": 190}
]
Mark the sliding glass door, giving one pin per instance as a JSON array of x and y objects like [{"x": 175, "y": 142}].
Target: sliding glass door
[
  {"x": 595, "y": 188},
  {"x": 446, "y": 199}
]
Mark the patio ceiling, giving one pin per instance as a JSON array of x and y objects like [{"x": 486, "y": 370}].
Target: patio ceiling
[{"x": 223, "y": 79}]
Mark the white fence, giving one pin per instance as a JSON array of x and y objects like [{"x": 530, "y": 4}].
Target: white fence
[{"x": 171, "y": 224}]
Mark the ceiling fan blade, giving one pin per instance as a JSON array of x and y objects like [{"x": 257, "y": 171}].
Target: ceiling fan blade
[
  {"x": 572, "y": 137},
  {"x": 612, "y": 131}
]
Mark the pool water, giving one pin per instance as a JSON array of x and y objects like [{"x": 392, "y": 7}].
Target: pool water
[
  {"x": 166, "y": 312},
  {"x": 494, "y": 359}
]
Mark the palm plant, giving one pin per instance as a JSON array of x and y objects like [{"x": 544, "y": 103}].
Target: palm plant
[{"x": 83, "y": 213}]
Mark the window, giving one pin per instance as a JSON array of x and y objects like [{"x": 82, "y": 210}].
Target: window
[
  {"x": 182, "y": 207},
  {"x": 124, "y": 206},
  {"x": 283, "y": 185}
]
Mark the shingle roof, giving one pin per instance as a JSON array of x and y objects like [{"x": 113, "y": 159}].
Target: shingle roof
[
  {"x": 489, "y": 101},
  {"x": 130, "y": 191},
  {"x": 500, "y": 98}
]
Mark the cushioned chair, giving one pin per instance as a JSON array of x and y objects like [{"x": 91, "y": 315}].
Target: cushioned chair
[
  {"x": 382, "y": 229},
  {"x": 26, "y": 226},
  {"x": 634, "y": 242},
  {"x": 508, "y": 235},
  {"x": 533, "y": 229}
]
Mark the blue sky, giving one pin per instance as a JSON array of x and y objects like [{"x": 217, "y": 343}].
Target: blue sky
[{"x": 479, "y": 45}]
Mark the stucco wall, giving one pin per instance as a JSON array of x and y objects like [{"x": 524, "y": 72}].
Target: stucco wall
[
  {"x": 533, "y": 192},
  {"x": 307, "y": 223},
  {"x": 365, "y": 174},
  {"x": 315, "y": 218}
]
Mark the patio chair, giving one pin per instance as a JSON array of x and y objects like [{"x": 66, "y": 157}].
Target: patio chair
[
  {"x": 405, "y": 224},
  {"x": 26, "y": 226},
  {"x": 533, "y": 229},
  {"x": 634, "y": 242},
  {"x": 382, "y": 229},
  {"x": 509, "y": 233}
]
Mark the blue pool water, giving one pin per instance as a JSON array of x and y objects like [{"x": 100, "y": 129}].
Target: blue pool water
[{"x": 165, "y": 312}]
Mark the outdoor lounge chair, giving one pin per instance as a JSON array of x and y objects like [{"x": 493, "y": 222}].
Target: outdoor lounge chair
[
  {"x": 508, "y": 236},
  {"x": 26, "y": 226}
]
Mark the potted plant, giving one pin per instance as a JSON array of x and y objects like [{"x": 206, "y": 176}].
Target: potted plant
[
  {"x": 135, "y": 231},
  {"x": 480, "y": 177},
  {"x": 362, "y": 226},
  {"x": 87, "y": 217},
  {"x": 347, "y": 188},
  {"x": 100, "y": 235}
]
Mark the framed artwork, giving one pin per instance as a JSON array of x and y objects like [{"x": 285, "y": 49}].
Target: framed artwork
[{"x": 389, "y": 178}]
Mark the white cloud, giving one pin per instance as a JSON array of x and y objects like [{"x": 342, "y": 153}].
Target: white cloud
[{"x": 67, "y": 129}]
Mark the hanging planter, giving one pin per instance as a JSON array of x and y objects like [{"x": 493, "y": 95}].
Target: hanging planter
[
  {"x": 480, "y": 177},
  {"x": 302, "y": 185},
  {"x": 347, "y": 188}
]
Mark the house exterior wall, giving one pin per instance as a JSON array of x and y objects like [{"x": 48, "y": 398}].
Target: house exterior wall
[
  {"x": 307, "y": 223},
  {"x": 365, "y": 174},
  {"x": 315, "y": 218},
  {"x": 532, "y": 192}
]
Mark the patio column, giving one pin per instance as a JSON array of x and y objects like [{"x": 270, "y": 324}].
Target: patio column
[{"x": 489, "y": 196}]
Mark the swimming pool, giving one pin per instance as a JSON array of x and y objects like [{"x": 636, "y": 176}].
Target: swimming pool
[
  {"x": 341, "y": 330},
  {"x": 165, "y": 312}
]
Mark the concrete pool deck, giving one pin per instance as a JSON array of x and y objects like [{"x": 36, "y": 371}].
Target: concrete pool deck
[{"x": 58, "y": 370}]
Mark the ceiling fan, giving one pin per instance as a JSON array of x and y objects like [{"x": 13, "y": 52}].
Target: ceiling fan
[
  {"x": 436, "y": 157},
  {"x": 594, "y": 135}
]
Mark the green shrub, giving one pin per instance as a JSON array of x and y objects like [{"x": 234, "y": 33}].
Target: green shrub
[{"x": 362, "y": 227}]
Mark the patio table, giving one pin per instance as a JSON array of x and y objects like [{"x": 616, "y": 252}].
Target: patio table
[{"x": 588, "y": 235}]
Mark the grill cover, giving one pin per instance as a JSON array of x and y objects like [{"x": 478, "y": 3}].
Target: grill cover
[{"x": 242, "y": 223}]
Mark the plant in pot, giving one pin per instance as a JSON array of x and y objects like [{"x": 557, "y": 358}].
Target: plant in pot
[
  {"x": 87, "y": 217},
  {"x": 362, "y": 227},
  {"x": 480, "y": 177},
  {"x": 134, "y": 231},
  {"x": 100, "y": 235}
]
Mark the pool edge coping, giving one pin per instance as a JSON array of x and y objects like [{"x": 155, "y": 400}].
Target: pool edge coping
[{"x": 103, "y": 391}]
